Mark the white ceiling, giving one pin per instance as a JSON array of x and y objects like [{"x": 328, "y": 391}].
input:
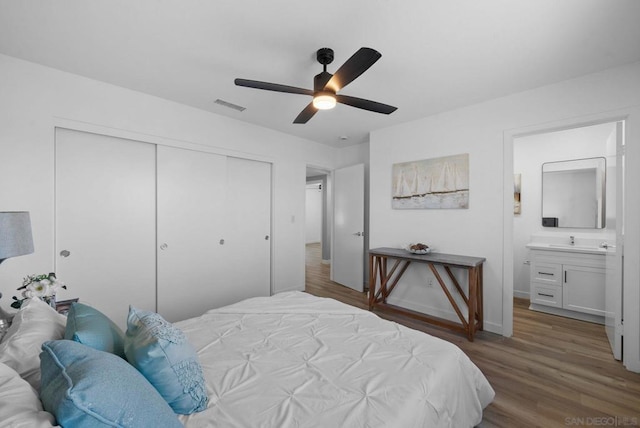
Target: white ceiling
[{"x": 437, "y": 55}]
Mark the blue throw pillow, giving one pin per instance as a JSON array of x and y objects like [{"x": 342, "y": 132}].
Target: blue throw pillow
[
  {"x": 91, "y": 327},
  {"x": 84, "y": 387},
  {"x": 162, "y": 353}
]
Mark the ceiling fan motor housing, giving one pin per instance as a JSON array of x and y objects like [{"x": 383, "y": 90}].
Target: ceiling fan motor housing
[
  {"x": 325, "y": 56},
  {"x": 320, "y": 80}
]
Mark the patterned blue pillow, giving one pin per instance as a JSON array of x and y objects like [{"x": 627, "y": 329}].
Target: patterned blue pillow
[
  {"x": 84, "y": 387},
  {"x": 162, "y": 353},
  {"x": 91, "y": 327}
]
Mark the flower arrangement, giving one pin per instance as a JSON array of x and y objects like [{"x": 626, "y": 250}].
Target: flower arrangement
[{"x": 43, "y": 286}]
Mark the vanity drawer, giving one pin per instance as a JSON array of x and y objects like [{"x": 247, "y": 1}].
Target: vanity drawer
[
  {"x": 547, "y": 273},
  {"x": 544, "y": 294}
]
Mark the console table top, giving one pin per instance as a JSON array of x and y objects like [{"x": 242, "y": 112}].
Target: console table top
[{"x": 440, "y": 258}]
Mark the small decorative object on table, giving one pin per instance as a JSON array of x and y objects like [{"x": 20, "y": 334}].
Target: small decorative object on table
[
  {"x": 418, "y": 248},
  {"x": 43, "y": 286},
  {"x": 63, "y": 306}
]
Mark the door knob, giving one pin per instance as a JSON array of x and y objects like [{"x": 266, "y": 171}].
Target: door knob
[
  {"x": 266, "y": 237},
  {"x": 359, "y": 233},
  {"x": 65, "y": 253}
]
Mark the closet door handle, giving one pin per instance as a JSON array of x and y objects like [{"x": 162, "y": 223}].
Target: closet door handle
[{"x": 565, "y": 276}]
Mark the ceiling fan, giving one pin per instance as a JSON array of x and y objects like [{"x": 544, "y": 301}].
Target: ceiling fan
[{"x": 326, "y": 85}]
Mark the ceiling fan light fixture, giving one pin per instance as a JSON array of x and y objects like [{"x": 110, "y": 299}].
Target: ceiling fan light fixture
[
  {"x": 326, "y": 85},
  {"x": 324, "y": 101}
]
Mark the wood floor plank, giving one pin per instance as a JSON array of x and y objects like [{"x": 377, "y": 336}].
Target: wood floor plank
[{"x": 553, "y": 372}]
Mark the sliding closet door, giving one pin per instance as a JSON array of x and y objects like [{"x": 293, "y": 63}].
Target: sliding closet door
[
  {"x": 105, "y": 221},
  {"x": 248, "y": 232},
  {"x": 191, "y": 240}
]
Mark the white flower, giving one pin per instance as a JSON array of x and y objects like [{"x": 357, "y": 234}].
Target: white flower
[
  {"x": 56, "y": 286},
  {"x": 43, "y": 286},
  {"x": 40, "y": 288}
]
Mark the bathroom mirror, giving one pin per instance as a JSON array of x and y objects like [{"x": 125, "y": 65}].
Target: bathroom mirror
[{"x": 573, "y": 193}]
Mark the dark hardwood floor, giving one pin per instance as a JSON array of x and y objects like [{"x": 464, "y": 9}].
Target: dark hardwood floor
[{"x": 553, "y": 372}]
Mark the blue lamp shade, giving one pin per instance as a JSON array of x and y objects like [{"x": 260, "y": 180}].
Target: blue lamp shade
[{"x": 15, "y": 234}]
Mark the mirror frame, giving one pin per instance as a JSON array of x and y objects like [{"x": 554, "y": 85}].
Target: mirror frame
[{"x": 599, "y": 164}]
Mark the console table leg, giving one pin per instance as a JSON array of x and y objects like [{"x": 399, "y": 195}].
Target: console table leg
[
  {"x": 473, "y": 301},
  {"x": 372, "y": 280}
]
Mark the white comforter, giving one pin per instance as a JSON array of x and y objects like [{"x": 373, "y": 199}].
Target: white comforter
[{"x": 296, "y": 360}]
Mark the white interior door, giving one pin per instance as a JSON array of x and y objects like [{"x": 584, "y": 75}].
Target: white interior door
[
  {"x": 615, "y": 250},
  {"x": 105, "y": 221},
  {"x": 248, "y": 229},
  {"x": 191, "y": 213},
  {"x": 347, "y": 260}
]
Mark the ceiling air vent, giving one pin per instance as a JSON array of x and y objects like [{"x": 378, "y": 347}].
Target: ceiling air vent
[{"x": 229, "y": 105}]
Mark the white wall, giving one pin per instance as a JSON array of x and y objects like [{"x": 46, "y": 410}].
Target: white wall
[
  {"x": 313, "y": 214},
  {"x": 36, "y": 99},
  {"x": 529, "y": 153},
  {"x": 485, "y": 132}
]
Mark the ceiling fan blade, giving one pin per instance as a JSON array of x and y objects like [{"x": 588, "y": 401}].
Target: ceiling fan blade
[
  {"x": 272, "y": 87},
  {"x": 352, "y": 68},
  {"x": 306, "y": 114},
  {"x": 366, "y": 104}
]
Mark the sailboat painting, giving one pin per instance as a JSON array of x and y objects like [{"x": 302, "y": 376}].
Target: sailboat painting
[{"x": 431, "y": 183}]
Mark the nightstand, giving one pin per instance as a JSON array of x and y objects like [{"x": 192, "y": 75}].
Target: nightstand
[{"x": 63, "y": 306}]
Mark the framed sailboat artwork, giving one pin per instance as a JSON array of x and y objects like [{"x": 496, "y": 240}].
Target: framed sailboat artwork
[{"x": 435, "y": 183}]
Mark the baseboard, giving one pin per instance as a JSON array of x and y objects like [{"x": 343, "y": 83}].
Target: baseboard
[
  {"x": 448, "y": 314},
  {"x": 326, "y": 262},
  {"x": 632, "y": 366},
  {"x": 522, "y": 294},
  {"x": 567, "y": 313}
]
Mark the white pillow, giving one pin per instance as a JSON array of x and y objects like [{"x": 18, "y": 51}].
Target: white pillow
[
  {"x": 19, "y": 403},
  {"x": 35, "y": 323}
]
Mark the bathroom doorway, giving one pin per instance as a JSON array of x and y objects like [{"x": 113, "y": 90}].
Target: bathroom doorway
[{"x": 558, "y": 146}]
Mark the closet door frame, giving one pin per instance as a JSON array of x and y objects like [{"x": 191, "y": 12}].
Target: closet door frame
[
  {"x": 159, "y": 141},
  {"x": 106, "y": 257},
  {"x": 249, "y": 226},
  {"x": 191, "y": 206}
]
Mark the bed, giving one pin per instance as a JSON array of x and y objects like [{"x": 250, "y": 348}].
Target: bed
[{"x": 296, "y": 360}]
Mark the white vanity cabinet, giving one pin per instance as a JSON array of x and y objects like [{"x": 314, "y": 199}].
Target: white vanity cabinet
[
  {"x": 568, "y": 283},
  {"x": 546, "y": 284},
  {"x": 583, "y": 289}
]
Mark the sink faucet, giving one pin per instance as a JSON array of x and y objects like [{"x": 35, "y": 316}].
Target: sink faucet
[{"x": 572, "y": 239}]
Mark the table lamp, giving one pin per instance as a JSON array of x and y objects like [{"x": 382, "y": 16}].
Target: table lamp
[{"x": 15, "y": 239}]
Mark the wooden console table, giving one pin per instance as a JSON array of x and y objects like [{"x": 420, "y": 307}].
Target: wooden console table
[{"x": 382, "y": 281}]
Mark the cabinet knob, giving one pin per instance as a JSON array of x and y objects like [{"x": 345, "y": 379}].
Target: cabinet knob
[
  {"x": 222, "y": 242},
  {"x": 65, "y": 253},
  {"x": 266, "y": 237},
  {"x": 164, "y": 246}
]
